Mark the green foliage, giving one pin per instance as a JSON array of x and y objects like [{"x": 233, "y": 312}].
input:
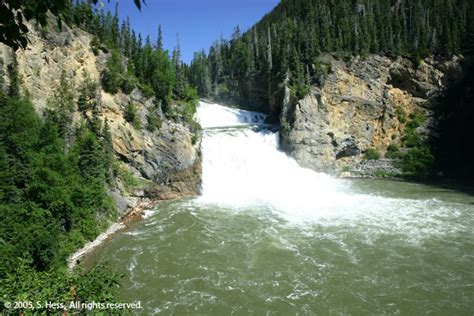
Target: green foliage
[
  {"x": 401, "y": 114},
  {"x": 14, "y": 88},
  {"x": 90, "y": 156},
  {"x": 417, "y": 60},
  {"x": 131, "y": 115},
  {"x": 112, "y": 74},
  {"x": 199, "y": 74},
  {"x": 115, "y": 77},
  {"x": 393, "y": 152},
  {"x": 163, "y": 77},
  {"x": 134, "y": 62},
  {"x": 129, "y": 180},
  {"x": 384, "y": 174},
  {"x": 61, "y": 106},
  {"x": 13, "y": 30},
  {"x": 25, "y": 284},
  {"x": 19, "y": 132},
  {"x": 411, "y": 137},
  {"x": 286, "y": 46},
  {"x": 372, "y": 154},
  {"x": 153, "y": 121},
  {"x": 95, "y": 45},
  {"x": 416, "y": 120},
  {"x": 301, "y": 91},
  {"x": 128, "y": 84},
  {"x": 50, "y": 200},
  {"x": 108, "y": 147},
  {"x": 87, "y": 95},
  {"x": 419, "y": 161},
  {"x": 346, "y": 169},
  {"x": 147, "y": 90}
]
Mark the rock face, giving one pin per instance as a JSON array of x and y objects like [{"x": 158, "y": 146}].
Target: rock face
[
  {"x": 166, "y": 163},
  {"x": 363, "y": 103}
]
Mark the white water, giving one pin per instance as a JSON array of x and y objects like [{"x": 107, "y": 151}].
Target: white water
[
  {"x": 268, "y": 237},
  {"x": 242, "y": 168},
  {"x": 215, "y": 115}
]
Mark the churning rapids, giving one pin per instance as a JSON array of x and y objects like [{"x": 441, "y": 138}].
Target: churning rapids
[{"x": 267, "y": 237}]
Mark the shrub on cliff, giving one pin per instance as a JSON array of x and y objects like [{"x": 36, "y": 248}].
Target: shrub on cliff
[
  {"x": 393, "y": 152},
  {"x": 372, "y": 154},
  {"x": 153, "y": 121},
  {"x": 114, "y": 77},
  {"x": 418, "y": 161},
  {"x": 131, "y": 115},
  {"x": 111, "y": 76}
]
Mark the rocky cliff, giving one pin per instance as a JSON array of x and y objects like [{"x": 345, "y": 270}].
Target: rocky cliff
[
  {"x": 361, "y": 104},
  {"x": 152, "y": 165}
]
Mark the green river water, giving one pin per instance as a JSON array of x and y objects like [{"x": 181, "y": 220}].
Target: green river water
[{"x": 361, "y": 247}]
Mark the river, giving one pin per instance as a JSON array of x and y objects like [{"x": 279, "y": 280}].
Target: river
[{"x": 267, "y": 237}]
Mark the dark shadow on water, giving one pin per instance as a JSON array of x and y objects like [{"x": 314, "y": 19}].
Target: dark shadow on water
[{"x": 447, "y": 185}]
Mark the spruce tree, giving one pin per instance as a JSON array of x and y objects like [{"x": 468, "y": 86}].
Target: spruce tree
[
  {"x": 61, "y": 107},
  {"x": 14, "y": 77}
]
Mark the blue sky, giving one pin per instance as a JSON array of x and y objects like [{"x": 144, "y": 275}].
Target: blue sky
[{"x": 198, "y": 22}]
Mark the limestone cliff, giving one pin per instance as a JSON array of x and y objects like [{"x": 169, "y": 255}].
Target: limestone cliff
[
  {"x": 363, "y": 103},
  {"x": 164, "y": 164}
]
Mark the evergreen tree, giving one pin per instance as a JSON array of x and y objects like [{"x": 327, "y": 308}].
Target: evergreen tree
[
  {"x": 131, "y": 115},
  {"x": 87, "y": 94},
  {"x": 61, "y": 107},
  {"x": 108, "y": 147},
  {"x": 159, "y": 41},
  {"x": 180, "y": 81},
  {"x": 153, "y": 121},
  {"x": 112, "y": 75},
  {"x": 90, "y": 156},
  {"x": 288, "y": 41},
  {"x": 14, "y": 88}
]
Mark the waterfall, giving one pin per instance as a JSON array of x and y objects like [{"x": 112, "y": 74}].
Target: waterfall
[
  {"x": 243, "y": 166},
  {"x": 269, "y": 236}
]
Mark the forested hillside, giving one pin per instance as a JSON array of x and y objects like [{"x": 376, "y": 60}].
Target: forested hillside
[
  {"x": 79, "y": 109},
  {"x": 53, "y": 197},
  {"x": 286, "y": 45},
  {"x": 147, "y": 66}
]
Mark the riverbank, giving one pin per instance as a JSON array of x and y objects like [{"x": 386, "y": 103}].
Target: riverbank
[{"x": 132, "y": 215}]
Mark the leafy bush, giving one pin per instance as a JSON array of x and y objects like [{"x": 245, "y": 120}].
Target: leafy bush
[
  {"x": 95, "y": 45},
  {"x": 115, "y": 77},
  {"x": 372, "y": 154},
  {"x": 401, "y": 115},
  {"x": 128, "y": 84},
  {"x": 411, "y": 138},
  {"x": 301, "y": 91},
  {"x": 131, "y": 115},
  {"x": 129, "y": 180},
  {"x": 416, "y": 120},
  {"x": 418, "y": 161},
  {"x": 223, "y": 91},
  {"x": 50, "y": 197},
  {"x": 29, "y": 285},
  {"x": 393, "y": 152},
  {"x": 147, "y": 90},
  {"x": 112, "y": 73},
  {"x": 153, "y": 121}
]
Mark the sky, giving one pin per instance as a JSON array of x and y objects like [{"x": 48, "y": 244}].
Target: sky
[{"x": 198, "y": 22}]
